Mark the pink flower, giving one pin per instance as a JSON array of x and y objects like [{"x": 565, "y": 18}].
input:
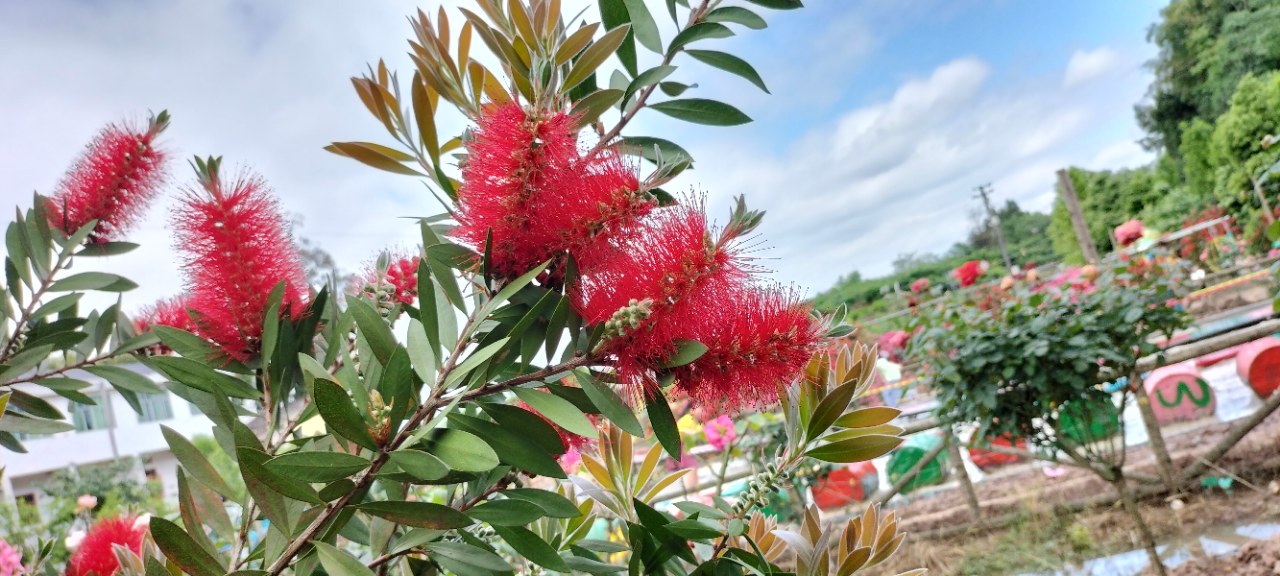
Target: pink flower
[
  {"x": 720, "y": 433},
  {"x": 10, "y": 560},
  {"x": 920, "y": 285},
  {"x": 570, "y": 461},
  {"x": 86, "y": 502},
  {"x": 893, "y": 343},
  {"x": 1129, "y": 232}
]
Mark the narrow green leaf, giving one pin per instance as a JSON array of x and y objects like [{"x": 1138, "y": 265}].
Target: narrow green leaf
[
  {"x": 687, "y": 351},
  {"x": 595, "y": 104},
  {"x": 419, "y": 514},
  {"x": 506, "y": 512},
  {"x": 700, "y": 31},
  {"x": 101, "y": 281},
  {"x": 664, "y": 423},
  {"x": 513, "y": 448},
  {"x": 779, "y": 4},
  {"x": 422, "y": 465},
  {"x": 530, "y": 546},
  {"x": 868, "y": 417},
  {"x": 475, "y": 360},
  {"x": 253, "y": 464},
  {"x": 558, "y": 410},
  {"x": 731, "y": 64},
  {"x": 736, "y": 15},
  {"x": 461, "y": 450},
  {"x": 379, "y": 157},
  {"x": 373, "y": 327},
  {"x": 317, "y": 466},
  {"x": 340, "y": 415},
  {"x": 470, "y": 555},
  {"x": 421, "y": 352},
  {"x": 643, "y": 26},
  {"x": 338, "y": 563},
  {"x": 194, "y": 462},
  {"x": 855, "y": 449},
  {"x": 552, "y": 504},
  {"x": 182, "y": 550},
  {"x": 646, "y": 78},
  {"x": 595, "y": 55},
  {"x": 608, "y": 402},
  {"x": 125, "y": 378},
  {"x": 702, "y": 111},
  {"x": 202, "y": 377}
]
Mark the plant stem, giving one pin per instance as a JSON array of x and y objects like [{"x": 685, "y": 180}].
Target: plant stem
[
  {"x": 695, "y": 16},
  {"x": 1130, "y": 506}
]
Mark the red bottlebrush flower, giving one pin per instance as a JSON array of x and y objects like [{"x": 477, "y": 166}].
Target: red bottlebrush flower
[
  {"x": 967, "y": 274},
  {"x": 95, "y": 556},
  {"x": 165, "y": 312},
  {"x": 511, "y": 157},
  {"x": 756, "y": 339},
  {"x": 920, "y": 285},
  {"x": 237, "y": 248},
  {"x": 398, "y": 280},
  {"x": 112, "y": 182},
  {"x": 1129, "y": 232},
  {"x": 653, "y": 284},
  {"x": 593, "y": 201},
  {"x": 570, "y": 440}
]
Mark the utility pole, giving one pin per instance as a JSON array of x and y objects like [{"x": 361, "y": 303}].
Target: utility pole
[
  {"x": 1068, "y": 191},
  {"x": 993, "y": 221}
]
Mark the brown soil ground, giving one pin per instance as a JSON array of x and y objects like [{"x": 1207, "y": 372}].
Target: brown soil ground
[
  {"x": 1253, "y": 559},
  {"x": 1045, "y": 535}
]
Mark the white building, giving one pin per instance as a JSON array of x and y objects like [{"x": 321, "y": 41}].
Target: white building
[{"x": 106, "y": 432}]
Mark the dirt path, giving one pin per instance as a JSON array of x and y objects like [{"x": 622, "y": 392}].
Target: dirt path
[{"x": 1045, "y": 537}]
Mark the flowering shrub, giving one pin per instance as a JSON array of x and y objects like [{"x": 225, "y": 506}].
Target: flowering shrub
[
  {"x": 967, "y": 274},
  {"x": 1129, "y": 232},
  {"x": 450, "y": 427}
]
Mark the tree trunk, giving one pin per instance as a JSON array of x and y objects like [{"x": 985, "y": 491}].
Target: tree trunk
[
  {"x": 1155, "y": 439},
  {"x": 962, "y": 475},
  {"x": 1130, "y": 506}
]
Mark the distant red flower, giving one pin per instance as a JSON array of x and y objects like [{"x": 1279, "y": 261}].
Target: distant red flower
[
  {"x": 920, "y": 285},
  {"x": 756, "y": 340},
  {"x": 893, "y": 343},
  {"x": 170, "y": 312},
  {"x": 1129, "y": 232},
  {"x": 95, "y": 556},
  {"x": 237, "y": 248},
  {"x": 967, "y": 274},
  {"x": 511, "y": 156},
  {"x": 112, "y": 182},
  {"x": 399, "y": 279}
]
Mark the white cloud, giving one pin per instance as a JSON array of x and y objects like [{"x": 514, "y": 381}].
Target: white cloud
[
  {"x": 1125, "y": 153},
  {"x": 1086, "y": 65},
  {"x": 898, "y": 175}
]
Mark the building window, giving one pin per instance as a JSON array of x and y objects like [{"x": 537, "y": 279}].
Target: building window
[
  {"x": 155, "y": 407},
  {"x": 88, "y": 417}
]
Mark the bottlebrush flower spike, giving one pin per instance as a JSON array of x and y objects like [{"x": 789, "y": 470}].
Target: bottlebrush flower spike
[
  {"x": 756, "y": 339},
  {"x": 95, "y": 556},
  {"x": 112, "y": 182},
  {"x": 237, "y": 248},
  {"x": 165, "y": 312},
  {"x": 511, "y": 156}
]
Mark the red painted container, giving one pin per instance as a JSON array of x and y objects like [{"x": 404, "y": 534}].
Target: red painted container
[
  {"x": 1258, "y": 364},
  {"x": 985, "y": 459},
  {"x": 1179, "y": 394},
  {"x": 844, "y": 486}
]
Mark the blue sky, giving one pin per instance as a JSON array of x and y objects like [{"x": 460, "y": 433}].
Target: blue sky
[{"x": 884, "y": 114}]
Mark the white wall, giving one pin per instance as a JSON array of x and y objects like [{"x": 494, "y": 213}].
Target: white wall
[{"x": 131, "y": 439}]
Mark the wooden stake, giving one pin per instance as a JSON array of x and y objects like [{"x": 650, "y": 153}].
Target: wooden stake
[{"x": 1068, "y": 192}]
